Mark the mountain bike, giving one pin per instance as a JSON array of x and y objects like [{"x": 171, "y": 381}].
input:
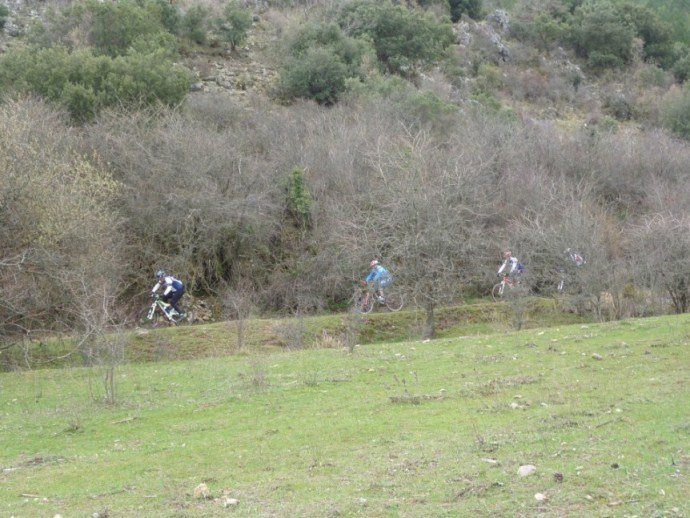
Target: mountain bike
[
  {"x": 568, "y": 285},
  {"x": 561, "y": 285},
  {"x": 160, "y": 312},
  {"x": 507, "y": 285},
  {"x": 365, "y": 299}
]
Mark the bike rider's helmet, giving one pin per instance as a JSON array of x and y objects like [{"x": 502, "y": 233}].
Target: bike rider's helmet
[
  {"x": 373, "y": 263},
  {"x": 160, "y": 274}
]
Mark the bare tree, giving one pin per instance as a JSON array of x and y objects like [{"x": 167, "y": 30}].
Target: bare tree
[
  {"x": 101, "y": 341},
  {"x": 239, "y": 302},
  {"x": 423, "y": 217},
  {"x": 60, "y": 234},
  {"x": 662, "y": 248},
  {"x": 566, "y": 217},
  {"x": 198, "y": 200}
]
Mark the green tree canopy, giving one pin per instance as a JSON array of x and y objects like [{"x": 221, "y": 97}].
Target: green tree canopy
[
  {"x": 320, "y": 59},
  {"x": 234, "y": 25},
  {"x": 601, "y": 35},
  {"x": 110, "y": 28},
  {"x": 401, "y": 37},
  {"x": 85, "y": 83}
]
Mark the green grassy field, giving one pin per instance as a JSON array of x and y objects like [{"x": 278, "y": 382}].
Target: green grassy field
[{"x": 410, "y": 428}]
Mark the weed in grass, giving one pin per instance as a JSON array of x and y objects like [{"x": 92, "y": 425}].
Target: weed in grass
[
  {"x": 311, "y": 379},
  {"x": 486, "y": 446},
  {"x": 74, "y": 427},
  {"x": 258, "y": 373},
  {"x": 496, "y": 385},
  {"x": 413, "y": 399},
  {"x": 354, "y": 324},
  {"x": 327, "y": 341}
]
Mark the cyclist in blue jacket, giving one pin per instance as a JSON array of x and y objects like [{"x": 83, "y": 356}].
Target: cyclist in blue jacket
[
  {"x": 173, "y": 289},
  {"x": 380, "y": 277}
]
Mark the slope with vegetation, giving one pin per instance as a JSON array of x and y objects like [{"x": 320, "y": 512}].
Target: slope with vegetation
[
  {"x": 429, "y": 134},
  {"x": 238, "y": 337}
]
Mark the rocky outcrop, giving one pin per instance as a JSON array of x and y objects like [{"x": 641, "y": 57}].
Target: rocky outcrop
[{"x": 488, "y": 34}]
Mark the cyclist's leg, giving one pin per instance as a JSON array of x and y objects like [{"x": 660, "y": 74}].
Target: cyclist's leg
[
  {"x": 378, "y": 290},
  {"x": 166, "y": 301},
  {"x": 365, "y": 302},
  {"x": 514, "y": 278},
  {"x": 176, "y": 296},
  {"x": 384, "y": 283}
]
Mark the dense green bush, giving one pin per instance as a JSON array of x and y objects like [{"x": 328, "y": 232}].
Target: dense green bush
[
  {"x": 489, "y": 77},
  {"x": 676, "y": 113},
  {"x": 681, "y": 68},
  {"x": 193, "y": 24},
  {"x": 426, "y": 108},
  {"x": 4, "y": 12},
  {"x": 677, "y": 15},
  {"x": 298, "y": 199},
  {"x": 234, "y": 25},
  {"x": 402, "y": 38},
  {"x": 601, "y": 35},
  {"x": 471, "y": 8},
  {"x": 416, "y": 108},
  {"x": 319, "y": 60},
  {"x": 85, "y": 82},
  {"x": 116, "y": 25},
  {"x": 429, "y": 3},
  {"x": 168, "y": 13},
  {"x": 602, "y": 31},
  {"x": 163, "y": 44},
  {"x": 543, "y": 31},
  {"x": 655, "y": 34},
  {"x": 93, "y": 54},
  {"x": 110, "y": 28},
  {"x": 318, "y": 74}
]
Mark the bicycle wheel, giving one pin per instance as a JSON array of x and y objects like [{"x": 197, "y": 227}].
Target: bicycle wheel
[
  {"x": 151, "y": 320},
  {"x": 394, "y": 302},
  {"x": 497, "y": 291},
  {"x": 152, "y": 317},
  {"x": 561, "y": 286},
  {"x": 363, "y": 303}
]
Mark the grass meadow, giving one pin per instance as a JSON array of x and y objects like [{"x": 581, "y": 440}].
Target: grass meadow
[{"x": 397, "y": 428}]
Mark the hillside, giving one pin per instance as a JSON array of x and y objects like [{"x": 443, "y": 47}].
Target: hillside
[{"x": 265, "y": 152}]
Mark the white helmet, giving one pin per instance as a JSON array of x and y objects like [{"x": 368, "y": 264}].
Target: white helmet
[{"x": 373, "y": 263}]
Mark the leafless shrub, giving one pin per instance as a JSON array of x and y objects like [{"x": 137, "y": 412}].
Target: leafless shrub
[
  {"x": 257, "y": 374},
  {"x": 662, "y": 244},
  {"x": 354, "y": 324},
  {"x": 239, "y": 304},
  {"x": 293, "y": 331},
  {"x": 195, "y": 200},
  {"x": 420, "y": 213},
  {"x": 529, "y": 85},
  {"x": 61, "y": 240},
  {"x": 201, "y": 191}
]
